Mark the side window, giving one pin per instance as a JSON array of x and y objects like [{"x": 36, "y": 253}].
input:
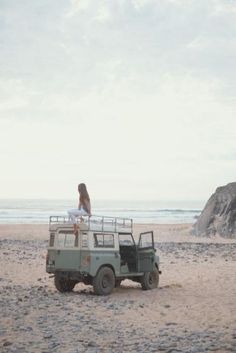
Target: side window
[
  {"x": 146, "y": 240},
  {"x": 84, "y": 240},
  {"x": 126, "y": 239},
  {"x": 66, "y": 239},
  {"x": 52, "y": 239},
  {"x": 103, "y": 240}
]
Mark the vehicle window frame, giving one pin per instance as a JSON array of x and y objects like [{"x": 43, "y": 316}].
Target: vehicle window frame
[
  {"x": 152, "y": 243},
  {"x": 65, "y": 233},
  {"x": 87, "y": 240},
  {"x": 128, "y": 233},
  {"x": 95, "y": 240}
]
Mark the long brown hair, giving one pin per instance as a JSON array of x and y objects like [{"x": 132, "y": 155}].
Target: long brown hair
[{"x": 83, "y": 193}]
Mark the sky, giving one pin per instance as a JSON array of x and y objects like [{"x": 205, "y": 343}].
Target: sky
[{"x": 136, "y": 98}]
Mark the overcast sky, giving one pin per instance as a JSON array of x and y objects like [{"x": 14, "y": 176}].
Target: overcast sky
[{"x": 136, "y": 98}]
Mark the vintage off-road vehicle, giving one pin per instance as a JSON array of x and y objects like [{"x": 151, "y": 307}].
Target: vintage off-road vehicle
[{"x": 102, "y": 254}]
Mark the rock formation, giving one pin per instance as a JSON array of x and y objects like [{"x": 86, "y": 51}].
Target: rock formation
[{"x": 219, "y": 214}]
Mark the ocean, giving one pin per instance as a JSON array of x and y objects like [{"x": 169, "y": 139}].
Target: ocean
[{"x": 38, "y": 211}]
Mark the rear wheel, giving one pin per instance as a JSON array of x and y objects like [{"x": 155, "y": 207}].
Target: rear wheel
[
  {"x": 150, "y": 280},
  {"x": 104, "y": 281},
  {"x": 63, "y": 284}
]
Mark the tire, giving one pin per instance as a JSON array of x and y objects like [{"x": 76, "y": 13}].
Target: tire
[
  {"x": 104, "y": 281},
  {"x": 150, "y": 280},
  {"x": 63, "y": 284}
]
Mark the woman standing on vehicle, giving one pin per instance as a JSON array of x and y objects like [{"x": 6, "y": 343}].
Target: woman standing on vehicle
[{"x": 84, "y": 206}]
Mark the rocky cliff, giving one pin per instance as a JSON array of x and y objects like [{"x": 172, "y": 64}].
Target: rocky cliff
[{"x": 219, "y": 214}]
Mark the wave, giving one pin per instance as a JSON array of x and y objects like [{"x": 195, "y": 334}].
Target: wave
[
  {"x": 169, "y": 210},
  {"x": 38, "y": 211}
]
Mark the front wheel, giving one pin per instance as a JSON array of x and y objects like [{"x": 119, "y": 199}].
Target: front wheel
[
  {"x": 150, "y": 280},
  {"x": 104, "y": 281},
  {"x": 64, "y": 284}
]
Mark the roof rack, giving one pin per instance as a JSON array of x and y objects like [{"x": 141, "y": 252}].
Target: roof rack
[{"x": 97, "y": 223}]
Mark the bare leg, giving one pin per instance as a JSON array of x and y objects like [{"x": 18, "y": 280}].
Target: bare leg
[
  {"x": 76, "y": 228},
  {"x": 73, "y": 214}
]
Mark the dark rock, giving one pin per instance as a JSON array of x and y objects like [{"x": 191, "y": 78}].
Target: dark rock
[
  {"x": 52, "y": 345},
  {"x": 219, "y": 214},
  {"x": 7, "y": 343},
  {"x": 47, "y": 335},
  {"x": 92, "y": 344}
]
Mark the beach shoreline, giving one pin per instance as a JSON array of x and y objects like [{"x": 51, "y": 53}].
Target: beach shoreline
[
  {"x": 179, "y": 232},
  {"x": 193, "y": 310}
]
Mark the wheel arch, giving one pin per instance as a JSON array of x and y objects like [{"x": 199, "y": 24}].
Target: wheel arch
[
  {"x": 157, "y": 267},
  {"x": 106, "y": 265}
]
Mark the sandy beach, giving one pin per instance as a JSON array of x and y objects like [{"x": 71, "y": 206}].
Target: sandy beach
[{"x": 192, "y": 311}]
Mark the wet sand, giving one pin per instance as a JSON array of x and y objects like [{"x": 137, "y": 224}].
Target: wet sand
[{"x": 192, "y": 311}]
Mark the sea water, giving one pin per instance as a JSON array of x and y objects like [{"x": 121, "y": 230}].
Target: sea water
[{"x": 38, "y": 211}]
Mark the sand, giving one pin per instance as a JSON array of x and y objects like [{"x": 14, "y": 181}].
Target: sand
[{"x": 192, "y": 311}]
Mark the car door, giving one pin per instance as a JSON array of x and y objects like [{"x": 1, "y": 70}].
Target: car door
[
  {"x": 128, "y": 253},
  {"x": 146, "y": 252}
]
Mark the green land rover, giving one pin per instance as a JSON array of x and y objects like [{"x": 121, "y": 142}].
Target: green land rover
[{"x": 102, "y": 254}]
